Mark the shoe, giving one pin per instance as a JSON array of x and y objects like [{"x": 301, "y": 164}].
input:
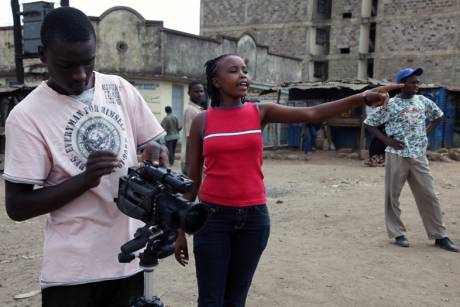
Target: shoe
[
  {"x": 402, "y": 241},
  {"x": 447, "y": 244}
]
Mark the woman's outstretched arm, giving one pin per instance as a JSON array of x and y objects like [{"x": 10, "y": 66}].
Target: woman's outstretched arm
[{"x": 275, "y": 113}]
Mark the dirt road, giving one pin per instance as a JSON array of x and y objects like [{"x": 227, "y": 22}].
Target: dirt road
[{"x": 328, "y": 245}]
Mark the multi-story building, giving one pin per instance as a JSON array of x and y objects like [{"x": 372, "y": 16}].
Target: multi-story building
[
  {"x": 160, "y": 62},
  {"x": 348, "y": 39}
]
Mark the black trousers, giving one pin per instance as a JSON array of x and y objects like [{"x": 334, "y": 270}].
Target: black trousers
[
  {"x": 109, "y": 293},
  {"x": 171, "y": 145},
  {"x": 376, "y": 146}
]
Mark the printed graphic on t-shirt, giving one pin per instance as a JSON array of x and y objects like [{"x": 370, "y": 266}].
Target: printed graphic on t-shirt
[
  {"x": 111, "y": 93},
  {"x": 95, "y": 128}
]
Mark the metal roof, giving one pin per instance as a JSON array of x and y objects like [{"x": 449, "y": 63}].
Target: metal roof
[
  {"x": 11, "y": 89},
  {"x": 266, "y": 87},
  {"x": 355, "y": 85}
]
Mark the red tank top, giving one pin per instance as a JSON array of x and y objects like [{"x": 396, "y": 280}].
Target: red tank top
[{"x": 232, "y": 150}]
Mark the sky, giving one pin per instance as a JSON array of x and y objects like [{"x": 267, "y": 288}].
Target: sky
[{"x": 181, "y": 15}]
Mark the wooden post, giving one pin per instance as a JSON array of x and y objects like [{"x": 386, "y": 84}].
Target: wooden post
[
  {"x": 17, "y": 41},
  {"x": 363, "y": 153},
  {"x": 277, "y": 141}
]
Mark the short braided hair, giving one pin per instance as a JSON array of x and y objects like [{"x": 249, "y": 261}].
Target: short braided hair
[{"x": 213, "y": 92}]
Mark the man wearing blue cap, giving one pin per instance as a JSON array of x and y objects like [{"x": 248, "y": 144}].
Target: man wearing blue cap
[{"x": 405, "y": 159}]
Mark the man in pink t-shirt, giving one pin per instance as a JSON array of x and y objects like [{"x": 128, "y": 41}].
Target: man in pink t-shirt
[{"x": 73, "y": 137}]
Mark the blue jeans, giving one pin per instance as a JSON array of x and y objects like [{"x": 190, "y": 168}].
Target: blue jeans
[
  {"x": 309, "y": 141},
  {"x": 227, "y": 250}
]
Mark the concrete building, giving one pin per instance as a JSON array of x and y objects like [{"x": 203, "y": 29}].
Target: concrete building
[
  {"x": 348, "y": 39},
  {"x": 160, "y": 62}
]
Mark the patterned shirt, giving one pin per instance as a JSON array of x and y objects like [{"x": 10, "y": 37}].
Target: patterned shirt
[{"x": 404, "y": 121}]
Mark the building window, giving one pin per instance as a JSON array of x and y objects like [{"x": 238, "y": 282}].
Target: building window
[
  {"x": 324, "y": 8},
  {"x": 372, "y": 36},
  {"x": 322, "y": 36},
  {"x": 344, "y": 50},
  {"x": 375, "y": 5},
  {"x": 146, "y": 86},
  {"x": 370, "y": 68},
  {"x": 320, "y": 70},
  {"x": 347, "y": 15}
]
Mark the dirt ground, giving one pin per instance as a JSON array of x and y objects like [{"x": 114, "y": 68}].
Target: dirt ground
[{"x": 328, "y": 245}]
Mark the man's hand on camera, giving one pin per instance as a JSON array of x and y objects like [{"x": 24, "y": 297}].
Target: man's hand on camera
[
  {"x": 99, "y": 163},
  {"x": 181, "y": 249},
  {"x": 156, "y": 153}
]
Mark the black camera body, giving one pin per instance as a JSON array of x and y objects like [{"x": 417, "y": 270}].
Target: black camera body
[{"x": 152, "y": 194}]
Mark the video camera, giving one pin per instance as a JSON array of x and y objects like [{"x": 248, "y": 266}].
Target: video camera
[{"x": 152, "y": 194}]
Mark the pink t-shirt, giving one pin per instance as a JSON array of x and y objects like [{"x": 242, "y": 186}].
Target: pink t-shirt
[{"x": 48, "y": 140}]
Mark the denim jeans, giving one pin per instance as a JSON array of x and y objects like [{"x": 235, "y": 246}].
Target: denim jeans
[
  {"x": 227, "y": 250},
  {"x": 309, "y": 141}
]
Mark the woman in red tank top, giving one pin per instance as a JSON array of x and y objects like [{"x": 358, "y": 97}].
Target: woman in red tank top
[{"x": 226, "y": 141}]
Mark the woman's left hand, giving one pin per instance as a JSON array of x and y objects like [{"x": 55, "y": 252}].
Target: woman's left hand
[
  {"x": 378, "y": 97},
  {"x": 181, "y": 249}
]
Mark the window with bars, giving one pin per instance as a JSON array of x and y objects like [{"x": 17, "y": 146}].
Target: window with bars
[
  {"x": 320, "y": 70},
  {"x": 322, "y": 36},
  {"x": 372, "y": 37},
  {"x": 375, "y": 5},
  {"x": 370, "y": 68},
  {"x": 324, "y": 8}
]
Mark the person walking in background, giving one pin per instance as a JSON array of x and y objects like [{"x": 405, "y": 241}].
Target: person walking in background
[
  {"x": 226, "y": 141},
  {"x": 193, "y": 108},
  {"x": 405, "y": 159},
  {"x": 309, "y": 140},
  {"x": 171, "y": 125}
]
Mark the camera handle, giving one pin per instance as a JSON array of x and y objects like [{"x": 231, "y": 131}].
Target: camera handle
[{"x": 148, "y": 261}]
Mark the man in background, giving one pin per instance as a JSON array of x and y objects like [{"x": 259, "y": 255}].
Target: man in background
[
  {"x": 171, "y": 125},
  {"x": 405, "y": 159},
  {"x": 196, "y": 94}
]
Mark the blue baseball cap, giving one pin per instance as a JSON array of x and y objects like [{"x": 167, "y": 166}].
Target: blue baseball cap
[{"x": 407, "y": 72}]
